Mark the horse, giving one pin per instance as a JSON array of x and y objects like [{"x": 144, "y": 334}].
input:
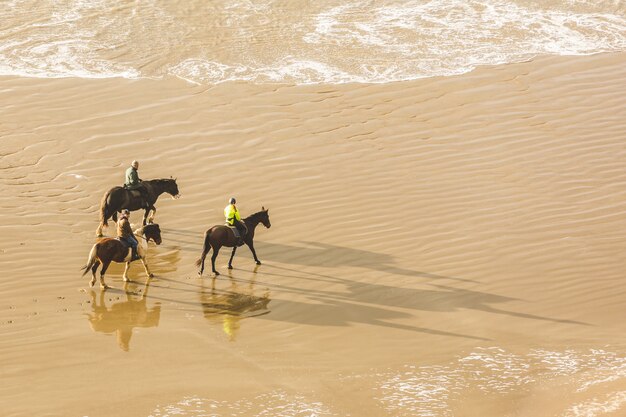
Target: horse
[
  {"x": 108, "y": 250},
  {"x": 118, "y": 198},
  {"x": 221, "y": 235}
]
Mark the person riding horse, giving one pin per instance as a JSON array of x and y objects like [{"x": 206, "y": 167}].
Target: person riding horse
[
  {"x": 125, "y": 233},
  {"x": 233, "y": 218},
  {"x": 133, "y": 182}
]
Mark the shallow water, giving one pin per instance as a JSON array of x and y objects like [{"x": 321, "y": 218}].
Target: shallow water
[{"x": 296, "y": 42}]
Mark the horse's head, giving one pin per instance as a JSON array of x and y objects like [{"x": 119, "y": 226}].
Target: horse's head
[
  {"x": 265, "y": 217},
  {"x": 152, "y": 232},
  {"x": 172, "y": 188}
]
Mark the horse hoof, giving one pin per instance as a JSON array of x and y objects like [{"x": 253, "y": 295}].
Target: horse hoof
[
  {"x": 151, "y": 276},
  {"x": 104, "y": 286},
  {"x": 199, "y": 273},
  {"x": 126, "y": 279},
  {"x": 216, "y": 273},
  {"x": 91, "y": 284},
  {"x": 258, "y": 262},
  {"x": 230, "y": 267}
]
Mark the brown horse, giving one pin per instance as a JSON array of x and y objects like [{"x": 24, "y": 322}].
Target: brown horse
[
  {"x": 109, "y": 250},
  {"x": 222, "y": 235},
  {"x": 118, "y": 198}
]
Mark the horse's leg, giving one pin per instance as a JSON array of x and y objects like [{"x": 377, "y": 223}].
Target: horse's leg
[
  {"x": 145, "y": 266},
  {"x": 125, "y": 276},
  {"x": 251, "y": 246},
  {"x": 94, "y": 268},
  {"x": 232, "y": 255},
  {"x": 152, "y": 214},
  {"x": 145, "y": 216},
  {"x": 105, "y": 265},
  {"x": 103, "y": 223},
  {"x": 213, "y": 257}
]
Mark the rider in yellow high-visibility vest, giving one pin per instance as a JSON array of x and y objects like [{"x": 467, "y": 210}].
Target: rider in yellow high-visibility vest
[{"x": 233, "y": 218}]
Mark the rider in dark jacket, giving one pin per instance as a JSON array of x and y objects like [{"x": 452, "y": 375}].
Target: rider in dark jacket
[{"x": 133, "y": 182}]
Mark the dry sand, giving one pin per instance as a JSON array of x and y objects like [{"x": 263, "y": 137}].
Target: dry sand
[{"x": 443, "y": 247}]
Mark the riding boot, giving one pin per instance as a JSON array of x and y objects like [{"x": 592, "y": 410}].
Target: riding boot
[
  {"x": 135, "y": 256},
  {"x": 242, "y": 232},
  {"x": 144, "y": 197}
]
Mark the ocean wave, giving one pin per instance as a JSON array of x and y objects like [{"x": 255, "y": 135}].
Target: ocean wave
[
  {"x": 433, "y": 391},
  {"x": 270, "y": 42},
  {"x": 277, "y": 403}
]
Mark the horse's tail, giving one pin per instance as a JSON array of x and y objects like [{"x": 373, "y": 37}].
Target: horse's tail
[
  {"x": 104, "y": 205},
  {"x": 206, "y": 247},
  {"x": 91, "y": 260}
]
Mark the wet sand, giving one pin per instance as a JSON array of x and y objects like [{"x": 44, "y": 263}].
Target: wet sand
[{"x": 442, "y": 247}]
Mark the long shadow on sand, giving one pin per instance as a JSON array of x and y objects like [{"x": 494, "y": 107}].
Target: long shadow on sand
[
  {"x": 339, "y": 301},
  {"x": 443, "y": 298},
  {"x": 331, "y": 256}
]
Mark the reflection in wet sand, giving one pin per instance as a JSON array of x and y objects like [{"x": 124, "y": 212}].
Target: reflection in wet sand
[
  {"x": 232, "y": 305},
  {"x": 122, "y": 317}
]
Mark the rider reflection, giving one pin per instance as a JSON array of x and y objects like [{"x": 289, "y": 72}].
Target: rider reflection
[
  {"x": 232, "y": 305},
  {"x": 122, "y": 317}
]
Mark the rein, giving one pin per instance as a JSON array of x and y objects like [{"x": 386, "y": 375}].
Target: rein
[{"x": 142, "y": 235}]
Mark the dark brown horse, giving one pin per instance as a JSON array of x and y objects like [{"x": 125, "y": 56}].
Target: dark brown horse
[
  {"x": 118, "y": 198},
  {"x": 222, "y": 235},
  {"x": 109, "y": 250}
]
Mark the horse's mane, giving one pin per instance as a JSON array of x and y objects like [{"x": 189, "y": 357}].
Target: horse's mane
[
  {"x": 255, "y": 216},
  {"x": 161, "y": 180},
  {"x": 140, "y": 231}
]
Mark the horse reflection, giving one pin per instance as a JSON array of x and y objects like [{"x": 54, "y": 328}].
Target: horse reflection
[
  {"x": 232, "y": 305},
  {"x": 122, "y": 317}
]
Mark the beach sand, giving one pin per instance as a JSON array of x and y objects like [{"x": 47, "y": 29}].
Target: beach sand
[{"x": 450, "y": 246}]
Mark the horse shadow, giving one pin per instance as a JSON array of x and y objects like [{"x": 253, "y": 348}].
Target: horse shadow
[
  {"x": 324, "y": 255},
  {"x": 438, "y": 298},
  {"x": 121, "y": 318},
  {"x": 186, "y": 239},
  {"x": 164, "y": 259},
  {"x": 230, "y": 306}
]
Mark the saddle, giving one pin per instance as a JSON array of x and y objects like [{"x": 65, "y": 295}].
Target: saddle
[
  {"x": 235, "y": 230},
  {"x": 123, "y": 242},
  {"x": 126, "y": 245},
  {"x": 237, "y": 234},
  {"x": 136, "y": 196}
]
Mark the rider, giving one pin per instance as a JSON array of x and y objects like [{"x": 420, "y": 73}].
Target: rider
[
  {"x": 233, "y": 218},
  {"x": 133, "y": 182},
  {"x": 125, "y": 233}
]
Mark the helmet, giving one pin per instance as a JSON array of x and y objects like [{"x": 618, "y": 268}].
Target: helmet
[
  {"x": 232, "y": 200},
  {"x": 135, "y": 163}
]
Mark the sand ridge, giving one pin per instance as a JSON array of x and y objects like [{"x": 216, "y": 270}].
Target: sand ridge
[{"x": 414, "y": 224}]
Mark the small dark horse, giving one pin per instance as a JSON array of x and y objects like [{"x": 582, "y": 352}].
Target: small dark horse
[
  {"x": 220, "y": 235},
  {"x": 108, "y": 250},
  {"x": 118, "y": 198}
]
